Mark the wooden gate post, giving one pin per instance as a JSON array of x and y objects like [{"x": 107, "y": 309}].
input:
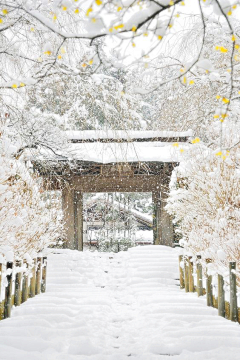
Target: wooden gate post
[
  {"x": 38, "y": 275},
  {"x": 190, "y": 273},
  {"x": 18, "y": 285},
  {"x": 44, "y": 275},
  {"x": 186, "y": 276},
  {"x": 181, "y": 273},
  {"x": 221, "y": 296},
  {"x": 1, "y": 302},
  {"x": 233, "y": 291},
  {"x": 8, "y": 291},
  {"x": 25, "y": 284},
  {"x": 199, "y": 277},
  {"x": 156, "y": 199},
  {"x": 78, "y": 220},
  {"x": 209, "y": 286}
]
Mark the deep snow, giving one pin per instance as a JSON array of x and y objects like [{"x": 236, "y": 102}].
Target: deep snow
[{"x": 102, "y": 306}]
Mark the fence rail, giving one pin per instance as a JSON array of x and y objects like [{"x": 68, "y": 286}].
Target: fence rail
[
  {"x": 20, "y": 281},
  {"x": 192, "y": 275}
]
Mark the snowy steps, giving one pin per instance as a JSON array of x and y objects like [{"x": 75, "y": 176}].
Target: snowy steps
[{"x": 117, "y": 307}]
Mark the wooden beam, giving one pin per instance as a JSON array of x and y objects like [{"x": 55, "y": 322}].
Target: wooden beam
[
  {"x": 68, "y": 214},
  {"x": 78, "y": 220},
  {"x": 156, "y": 217}
]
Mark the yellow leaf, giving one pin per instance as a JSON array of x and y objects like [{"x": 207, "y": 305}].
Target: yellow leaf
[
  {"x": 225, "y": 100},
  {"x": 236, "y": 57},
  {"x": 48, "y": 52},
  {"x": 197, "y": 140},
  {"x": 216, "y": 116},
  {"x": 175, "y": 144},
  {"x": 89, "y": 11},
  {"x": 191, "y": 82},
  {"x": 98, "y": 2},
  {"x": 170, "y": 26},
  {"x": 218, "y": 97},
  {"x": 184, "y": 79},
  {"x": 145, "y": 34},
  {"x": 181, "y": 150},
  {"x": 110, "y": 30},
  {"x": 63, "y": 51},
  {"x": 182, "y": 3},
  {"x": 14, "y": 86},
  {"x": 159, "y": 37},
  {"x": 171, "y": 3},
  {"x": 223, "y": 157},
  {"x": 122, "y": 93},
  {"x": 134, "y": 28},
  {"x": 217, "y": 47},
  {"x": 223, "y": 49},
  {"x": 90, "y": 62},
  {"x": 94, "y": 20},
  {"x": 1, "y": 20},
  {"x": 64, "y": 8},
  {"x": 233, "y": 38},
  {"x": 119, "y": 8},
  {"x": 219, "y": 153},
  {"x": 237, "y": 46},
  {"x": 59, "y": 57},
  {"x": 146, "y": 65},
  {"x": 76, "y": 11},
  {"x": 221, "y": 120},
  {"x": 4, "y": 11},
  {"x": 116, "y": 27},
  {"x": 224, "y": 115},
  {"x": 84, "y": 65},
  {"x": 133, "y": 44},
  {"x": 177, "y": 15},
  {"x": 234, "y": 6},
  {"x": 229, "y": 13},
  {"x": 32, "y": 29},
  {"x": 54, "y": 17},
  {"x": 227, "y": 152},
  {"x": 22, "y": 84}
]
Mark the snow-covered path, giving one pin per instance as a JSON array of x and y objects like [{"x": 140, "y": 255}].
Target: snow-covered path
[{"x": 116, "y": 307}]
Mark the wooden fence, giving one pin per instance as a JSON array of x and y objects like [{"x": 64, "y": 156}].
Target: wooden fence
[
  {"x": 20, "y": 281},
  {"x": 192, "y": 279}
]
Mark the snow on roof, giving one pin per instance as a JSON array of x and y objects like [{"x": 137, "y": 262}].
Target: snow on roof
[
  {"x": 130, "y": 135},
  {"x": 149, "y": 149},
  {"x": 105, "y": 153}
]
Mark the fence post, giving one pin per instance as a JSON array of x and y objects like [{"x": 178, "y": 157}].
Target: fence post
[
  {"x": 33, "y": 280},
  {"x": 190, "y": 273},
  {"x": 8, "y": 291},
  {"x": 18, "y": 284},
  {"x": 25, "y": 284},
  {"x": 38, "y": 276},
  {"x": 1, "y": 302},
  {"x": 181, "y": 273},
  {"x": 221, "y": 296},
  {"x": 209, "y": 286},
  {"x": 186, "y": 276},
  {"x": 199, "y": 277},
  {"x": 233, "y": 292},
  {"x": 44, "y": 275}
]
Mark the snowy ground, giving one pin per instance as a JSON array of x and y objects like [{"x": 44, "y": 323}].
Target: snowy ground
[{"x": 116, "y": 307}]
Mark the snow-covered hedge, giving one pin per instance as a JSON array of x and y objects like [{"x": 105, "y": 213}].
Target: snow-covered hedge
[
  {"x": 205, "y": 203},
  {"x": 28, "y": 221}
]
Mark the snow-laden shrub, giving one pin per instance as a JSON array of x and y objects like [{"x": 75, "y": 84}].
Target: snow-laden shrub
[
  {"x": 28, "y": 221},
  {"x": 205, "y": 203}
]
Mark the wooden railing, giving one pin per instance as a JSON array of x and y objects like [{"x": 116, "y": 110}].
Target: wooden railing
[
  {"x": 20, "y": 281},
  {"x": 193, "y": 277}
]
